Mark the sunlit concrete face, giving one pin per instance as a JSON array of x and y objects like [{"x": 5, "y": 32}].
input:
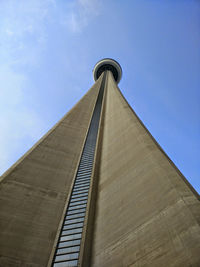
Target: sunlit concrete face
[{"x": 146, "y": 215}]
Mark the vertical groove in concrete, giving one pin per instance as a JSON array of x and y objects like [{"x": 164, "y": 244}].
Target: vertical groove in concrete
[
  {"x": 146, "y": 215},
  {"x": 85, "y": 255},
  {"x": 34, "y": 191},
  {"x": 71, "y": 236}
]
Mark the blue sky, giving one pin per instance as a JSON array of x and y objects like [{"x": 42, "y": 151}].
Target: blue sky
[{"x": 48, "y": 49}]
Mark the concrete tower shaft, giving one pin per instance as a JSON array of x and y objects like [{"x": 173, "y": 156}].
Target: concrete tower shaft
[{"x": 97, "y": 190}]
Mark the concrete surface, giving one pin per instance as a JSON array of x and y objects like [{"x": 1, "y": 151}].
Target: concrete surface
[
  {"x": 142, "y": 211},
  {"x": 33, "y": 192},
  {"x": 146, "y": 213}
]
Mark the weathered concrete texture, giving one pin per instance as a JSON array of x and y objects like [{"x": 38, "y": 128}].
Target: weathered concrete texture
[
  {"x": 146, "y": 215},
  {"x": 33, "y": 192}
]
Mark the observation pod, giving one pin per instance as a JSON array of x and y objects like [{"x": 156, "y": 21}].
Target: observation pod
[{"x": 108, "y": 64}]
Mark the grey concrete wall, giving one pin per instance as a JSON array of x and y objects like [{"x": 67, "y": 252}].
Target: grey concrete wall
[
  {"x": 146, "y": 213},
  {"x": 33, "y": 192}
]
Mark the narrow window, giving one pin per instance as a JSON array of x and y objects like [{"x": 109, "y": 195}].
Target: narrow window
[{"x": 68, "y": 246}]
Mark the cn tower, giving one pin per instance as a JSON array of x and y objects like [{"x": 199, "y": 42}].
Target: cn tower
[{"x": 98, "y": 190}]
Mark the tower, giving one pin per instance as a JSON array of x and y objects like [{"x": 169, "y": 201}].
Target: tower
[{"x": 97, "y": 190}]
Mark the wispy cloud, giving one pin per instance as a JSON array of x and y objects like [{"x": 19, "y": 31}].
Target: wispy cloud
[
  {"x": 24, "y": 32},
  {"x": 18, "y": 121},
  {"x": 81, "y": 12},
  {"x": 21, "y": 30},
  {"x": 22, "y": 40}
]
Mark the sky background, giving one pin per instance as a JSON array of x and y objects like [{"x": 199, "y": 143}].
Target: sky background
[{"x": 47, "y": 52}]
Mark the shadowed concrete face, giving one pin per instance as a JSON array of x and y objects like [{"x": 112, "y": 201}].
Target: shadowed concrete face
[
  {"x": 146, "y": 215},
  {"x": 34, "y": 191}
]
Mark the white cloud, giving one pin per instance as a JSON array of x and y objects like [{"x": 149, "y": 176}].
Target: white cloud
[
  {"x": 90, "y": 6},
  {"x": 73, "y": 23},
  {"x": 23, "y": 39},
  {"x": 81, "y": 12},
  {"x": 18, "y": 121},
  {"x": 20, "y": 21}
]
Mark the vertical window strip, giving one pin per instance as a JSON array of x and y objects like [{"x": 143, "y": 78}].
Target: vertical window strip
[{"x": 68, "y": 246}]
